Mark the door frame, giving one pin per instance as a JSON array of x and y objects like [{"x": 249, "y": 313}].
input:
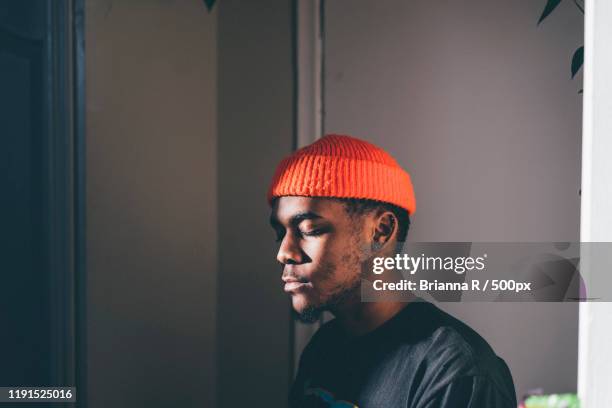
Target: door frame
[{"x": 595, "y": 331}]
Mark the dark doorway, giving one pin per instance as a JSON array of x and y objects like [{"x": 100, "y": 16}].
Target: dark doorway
[{"x": 41, "y": 193}]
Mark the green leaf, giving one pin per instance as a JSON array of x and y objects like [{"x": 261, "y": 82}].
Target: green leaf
[
  {"x": 577, "y": 60},
  {"x": 209, "y": 4},
  {"x": 550, "y": 6}
]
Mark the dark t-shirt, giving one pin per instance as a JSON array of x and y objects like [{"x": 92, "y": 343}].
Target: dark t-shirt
[{"x": 420, "y": 358}]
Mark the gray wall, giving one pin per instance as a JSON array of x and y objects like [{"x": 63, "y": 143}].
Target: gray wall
[
  {"x": 255, "y": 131},
  {"x": 151, "y": 203},
  {"x": 476, "y": 102},
  {"x": 187, "y": 115}
]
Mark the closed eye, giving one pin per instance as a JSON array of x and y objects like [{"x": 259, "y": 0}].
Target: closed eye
[{"x": 313, "y": 233}]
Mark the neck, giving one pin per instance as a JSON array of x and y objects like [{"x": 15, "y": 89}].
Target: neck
[{"x": 358, "y": 318}]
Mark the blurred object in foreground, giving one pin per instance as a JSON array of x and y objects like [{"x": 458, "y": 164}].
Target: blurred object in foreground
[{"x": 552, "y": 401}]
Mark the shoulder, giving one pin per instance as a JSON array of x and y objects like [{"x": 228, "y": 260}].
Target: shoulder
[
  {"x": 450, "y": 350},
  {"x": 427, "y": 326}
]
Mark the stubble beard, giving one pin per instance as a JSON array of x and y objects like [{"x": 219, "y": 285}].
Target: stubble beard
[{"x": 342, "y": 294}]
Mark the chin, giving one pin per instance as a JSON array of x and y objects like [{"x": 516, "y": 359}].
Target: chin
[
  {"x": 305, "y": 310},
  {"x": 300, "y": 302}
]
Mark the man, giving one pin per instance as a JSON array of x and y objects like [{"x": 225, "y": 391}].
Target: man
[{"x": 337, "y": 204}]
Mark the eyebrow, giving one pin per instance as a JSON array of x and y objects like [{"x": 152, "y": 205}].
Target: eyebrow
[{"x": 296, "y": 219}]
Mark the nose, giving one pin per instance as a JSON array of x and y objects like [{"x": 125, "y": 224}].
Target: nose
[{"x": 290, "y": 251}]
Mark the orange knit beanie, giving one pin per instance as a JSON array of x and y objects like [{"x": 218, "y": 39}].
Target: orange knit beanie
[{"x": 343, "y": 167}]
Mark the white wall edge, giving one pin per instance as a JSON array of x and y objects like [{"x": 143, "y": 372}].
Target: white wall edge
[
  {"x": 595, "y": 337},
  {"x": 309, "y": 72}
]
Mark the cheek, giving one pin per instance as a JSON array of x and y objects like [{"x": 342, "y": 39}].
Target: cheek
[
  {"x": 334, "y": 261},
  {"x": 319, "y": 250}
]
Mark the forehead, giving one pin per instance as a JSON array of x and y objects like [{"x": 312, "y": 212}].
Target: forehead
[{"x": 286, "y": 208}]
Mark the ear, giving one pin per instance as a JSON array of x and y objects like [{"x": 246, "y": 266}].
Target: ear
[{"x": 385, "y": 228}]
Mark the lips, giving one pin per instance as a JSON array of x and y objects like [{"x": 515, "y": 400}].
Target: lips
[{"x": 294, "y": 285}]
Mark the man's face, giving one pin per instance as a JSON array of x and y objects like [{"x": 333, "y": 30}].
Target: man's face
[{"x": 323, "y": 250}]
